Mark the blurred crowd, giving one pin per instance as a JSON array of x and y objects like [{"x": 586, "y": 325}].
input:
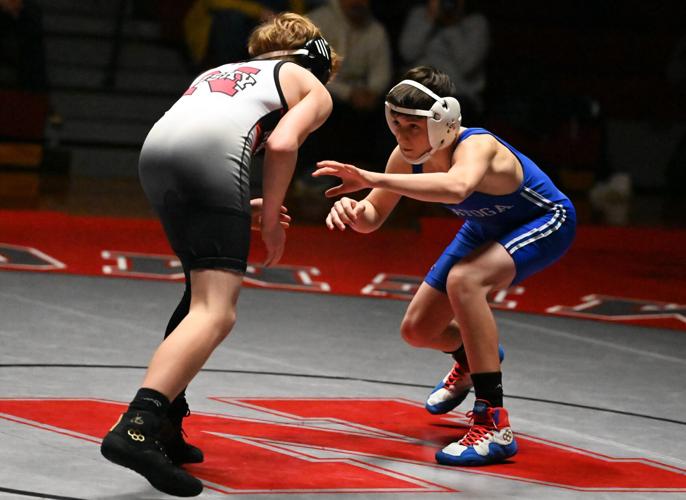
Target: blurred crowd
[
  {"x": 548, "y": 78},
  {"x": 377, "y": 44}
]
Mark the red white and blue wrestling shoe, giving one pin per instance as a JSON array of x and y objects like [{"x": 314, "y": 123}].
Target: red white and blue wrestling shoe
[
  {"x": 453, "y": 389},
  {"x": 489, "y": 440}
]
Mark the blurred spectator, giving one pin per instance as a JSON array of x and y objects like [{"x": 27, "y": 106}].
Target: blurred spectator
[
  {"x": 216, "y": 31},
  {"x": 366, "y": 71},
  {"x": 393, "y": 20},
  {"x": 612, "y": 199},
  {"x": 675, "y": 174},
  {"x": 21, "y": 43},
  {"x": 676, "y": 68},
  {"x": 356, "y": 129},
  {"x": 22, "y": 47},
  {"x": 171, "y": 16},
  {"x": 444, "y": 35}
]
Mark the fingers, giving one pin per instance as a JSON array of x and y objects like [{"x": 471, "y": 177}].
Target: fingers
[
  {"x": 256, "y": 221},
  {"x": 256, "y": 204},
  {"x": 325, "y": 171},
  {"x": 329, "y": 167},
  {"x": 331, "y": 192},
  {"x": 347, "y": 209},
  {"x": 329, "y": 222},
  {"x": 340, "y": 189},
  {"x": 274, "y": 239},
  {"x": 277, "y": 255},
  {"x": 330, "y": 164},
  {"x": 284, "y": 218},
  {"x": 273, "y": 256},
  {"x": 334, "y": 220},
  {"x": 342, "y": 214}
]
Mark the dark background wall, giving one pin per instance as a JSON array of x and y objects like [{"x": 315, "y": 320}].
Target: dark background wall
[{"x": 595, "y": 91}]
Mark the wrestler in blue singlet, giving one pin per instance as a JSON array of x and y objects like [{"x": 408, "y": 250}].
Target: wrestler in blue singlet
[{"x": 535, "y": 224}]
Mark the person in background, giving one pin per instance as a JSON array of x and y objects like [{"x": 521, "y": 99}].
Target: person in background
[
  {"x": 22, "y": 42},
  {"x": 675, "y": 173},
  {"x": 366, "y": 71},
  {"x": 216, "y": 31},
  {"x": 445, "y": 35}
]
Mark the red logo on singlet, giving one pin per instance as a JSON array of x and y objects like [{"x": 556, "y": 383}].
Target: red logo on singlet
[
  {"x": 346, "y": 446},
  {"x": 227, "y": 82}
]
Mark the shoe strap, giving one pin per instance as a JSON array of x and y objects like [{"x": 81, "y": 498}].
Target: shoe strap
[{"x": 483, "y": 417}]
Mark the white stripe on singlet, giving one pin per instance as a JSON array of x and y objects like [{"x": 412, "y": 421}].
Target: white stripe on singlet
[{"x": 559, "y": 216}]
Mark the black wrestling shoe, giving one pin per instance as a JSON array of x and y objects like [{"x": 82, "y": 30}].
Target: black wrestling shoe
[
  {"x": 134, "y": 443},
  {"x": 178, "y": 450}
]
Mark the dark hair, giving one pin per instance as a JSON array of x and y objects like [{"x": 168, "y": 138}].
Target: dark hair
[{"x": 411, "y": 97}]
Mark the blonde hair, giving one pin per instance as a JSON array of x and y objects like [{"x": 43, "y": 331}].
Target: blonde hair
[{"x": 286, "y": 31}]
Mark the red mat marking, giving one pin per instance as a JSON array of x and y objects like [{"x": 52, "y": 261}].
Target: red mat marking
[
  {"x": 629, "y": 275},
  {"x": 269, "y": 454}
]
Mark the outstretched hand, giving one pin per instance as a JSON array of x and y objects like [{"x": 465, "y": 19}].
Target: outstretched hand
[
  {"x": 352, "y": 178},
  {"x": 256, "y": 215}
]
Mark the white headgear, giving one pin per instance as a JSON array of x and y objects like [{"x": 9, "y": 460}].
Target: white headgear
[{"x": 442, "y": 120}]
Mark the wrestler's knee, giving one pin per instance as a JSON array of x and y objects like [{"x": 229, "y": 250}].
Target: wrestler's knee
[
  {"x": 222, "y": 324},
  {"x": 464, "y": 283},
  {"x": 413, "y": 331}
]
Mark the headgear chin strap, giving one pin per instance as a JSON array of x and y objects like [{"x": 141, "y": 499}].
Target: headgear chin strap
[
  {"x": 315, "y": 55},
  {"x": 442, "y": 120}
]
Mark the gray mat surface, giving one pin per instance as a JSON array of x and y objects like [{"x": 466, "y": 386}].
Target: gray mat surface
[{"x": 610, "y": 389}]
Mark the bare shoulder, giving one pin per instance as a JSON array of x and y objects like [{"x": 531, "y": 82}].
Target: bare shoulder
[
  {"x": 477, "y": 146},
  {"x": 296, "y": 82},
  {"x": 479, "y": 142},
  {"x": 290, "y": 70}
]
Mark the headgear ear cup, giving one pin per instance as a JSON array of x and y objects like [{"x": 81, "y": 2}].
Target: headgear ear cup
[
  {"x": 442, "y": 120},
  {"x": 315, "y": 55},
  {"x": 445, "y": 121},
  {"x": 318, "y": 58}
]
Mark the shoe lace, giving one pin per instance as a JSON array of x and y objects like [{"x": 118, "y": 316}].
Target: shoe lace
[
  {"x": 478, "y": 430},
  {"x": 455, "y": 375}
]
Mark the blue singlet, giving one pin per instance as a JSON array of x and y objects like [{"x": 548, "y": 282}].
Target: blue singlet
[{"x": 536, "y": 223}]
